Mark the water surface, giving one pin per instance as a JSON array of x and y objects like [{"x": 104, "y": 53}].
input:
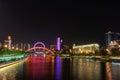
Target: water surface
[{"x": 61, "y": 68}]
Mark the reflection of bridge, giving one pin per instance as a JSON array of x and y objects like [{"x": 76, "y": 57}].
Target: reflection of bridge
[{"x": 41, "y": 49}]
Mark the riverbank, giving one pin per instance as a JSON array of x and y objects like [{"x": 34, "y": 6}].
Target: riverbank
[
  {"x": 102, "y": 58},
  {"x": 106, "y": 58},
  {"x": 4, "y": 64}
]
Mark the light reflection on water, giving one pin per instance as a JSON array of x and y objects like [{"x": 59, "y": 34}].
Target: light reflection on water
[
  {"x": 10, "y": 72},
  {"x": 60, "y": 68},
  {"x": 86, "y": 69},
  {"x": 39, "y": 68}
]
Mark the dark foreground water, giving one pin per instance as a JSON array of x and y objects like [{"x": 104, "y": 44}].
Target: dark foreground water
[{"x": 60, "y": 68}]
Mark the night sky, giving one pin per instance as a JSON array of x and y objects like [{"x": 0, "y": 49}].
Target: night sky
[{"x": 74, "y": 21}]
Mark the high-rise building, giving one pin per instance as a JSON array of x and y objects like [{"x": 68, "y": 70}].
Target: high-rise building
[
  {"x": 58, "y": 43},
  {"x": 112, "y": 36},
  {"x": 109, "y": 37},
  {"x": 9, "y": 42}
]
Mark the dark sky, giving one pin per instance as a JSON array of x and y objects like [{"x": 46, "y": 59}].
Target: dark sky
[{"x": 41, "y": 20}]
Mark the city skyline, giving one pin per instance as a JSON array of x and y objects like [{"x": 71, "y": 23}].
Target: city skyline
[{"x": 75, "y": 22}]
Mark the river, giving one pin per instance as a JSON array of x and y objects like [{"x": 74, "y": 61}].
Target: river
[{"x": 61, "y": 68}]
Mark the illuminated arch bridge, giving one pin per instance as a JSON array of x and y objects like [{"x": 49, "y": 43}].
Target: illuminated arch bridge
[{"x": 42, "y": 49}]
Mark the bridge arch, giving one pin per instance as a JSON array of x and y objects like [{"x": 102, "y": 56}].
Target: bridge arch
[
  {"x": 37, "y": 43},
  {"x": 50, "y": 51}
]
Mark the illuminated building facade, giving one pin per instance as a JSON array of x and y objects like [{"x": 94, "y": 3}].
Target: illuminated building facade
[
  {"x": 112, "y": 36},
  {"x": 56, "y": 47},
  {"x": 109, "y": 37},
  {"x": 58, "y": 43},
  {"x": 60, "y": 47},
  {"x": 22, "y": 46},
  {"x": 85, "y": 49},
  {"x": 112, "y": 41},
  {"x": 112, "y": 45},
  {"x": 9, "y": 42}
]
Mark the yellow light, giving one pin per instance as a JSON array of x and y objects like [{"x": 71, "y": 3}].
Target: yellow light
[
  {"x": 9, "y": 37},
  {"x": 13, "y": 47},
  {"x": 16, "y": 48},
  {"x": 5, "y": 45},
  {"x": 20, "y": 49}
]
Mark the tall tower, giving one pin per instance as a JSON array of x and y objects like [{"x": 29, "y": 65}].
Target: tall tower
[
  {"x": 9, "y": 42},
  {"x": 58, "y": 43},
  {"x": 109, "y": 37}
]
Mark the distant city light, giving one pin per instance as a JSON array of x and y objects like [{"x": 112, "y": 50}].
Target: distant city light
[
  {"x": 5, "y": 45},
  {"x": 9, "y": 42},
  {"x": 17, "y": 48},
  {"x": 13, "y": 47},
  {"x": 9, "y": 37}
]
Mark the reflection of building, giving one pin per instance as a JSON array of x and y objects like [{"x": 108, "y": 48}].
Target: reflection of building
[
  {"x": 87, "y": 70},
  {"x": 108, "y": 71},
  {"x": 86, "y": 49}
]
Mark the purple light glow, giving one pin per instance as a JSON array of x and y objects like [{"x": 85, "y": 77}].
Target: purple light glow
[
  {"x": 58, "y": 43},
  {"x": 58, "y": 68}
]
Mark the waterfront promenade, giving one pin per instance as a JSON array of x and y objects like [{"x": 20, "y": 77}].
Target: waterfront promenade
[{"x": 8, "y": 63}]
